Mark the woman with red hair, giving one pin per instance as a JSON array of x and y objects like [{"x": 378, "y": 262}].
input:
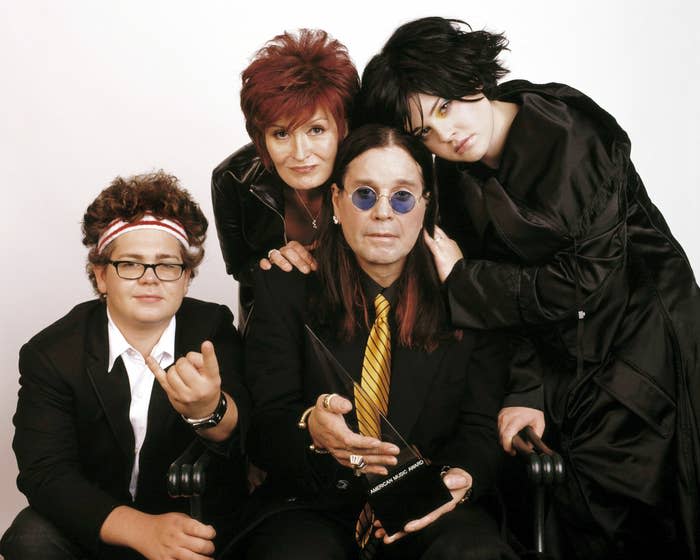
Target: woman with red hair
[{"x": 296, "y": 97}]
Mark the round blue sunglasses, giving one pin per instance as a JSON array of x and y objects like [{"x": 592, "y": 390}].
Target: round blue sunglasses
[{"x": 401, "y": 202}]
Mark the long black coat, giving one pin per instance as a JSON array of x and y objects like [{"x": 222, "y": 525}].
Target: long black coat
[
  {"x": 563, "y": 246},
  {"x": 73, "y": 440}
]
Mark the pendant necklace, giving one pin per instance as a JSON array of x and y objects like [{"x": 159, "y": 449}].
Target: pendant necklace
[{"x": 313, "y": 218}]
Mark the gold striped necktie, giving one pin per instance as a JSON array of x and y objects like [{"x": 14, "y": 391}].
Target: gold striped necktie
[{"x": 374, "y": 397}]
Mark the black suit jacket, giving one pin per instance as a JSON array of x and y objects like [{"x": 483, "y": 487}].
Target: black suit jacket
[
  {"x": 444, "y": 402},
  {"x": 74, "y": 441}
]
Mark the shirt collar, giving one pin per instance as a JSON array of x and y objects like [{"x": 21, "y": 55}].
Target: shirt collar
[
  {"x": 163, "y": 351},
  {"x": 371, "y": 289}
]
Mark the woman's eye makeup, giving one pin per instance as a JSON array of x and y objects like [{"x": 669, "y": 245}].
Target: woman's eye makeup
[
  {"x": 439, "y": 111},
  {"x": 280, "y": 134},
  {"x": 316, "y": 130},
  {"x": 444, "y": 107}
]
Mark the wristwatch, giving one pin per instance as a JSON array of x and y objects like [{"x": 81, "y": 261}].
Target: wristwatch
[{"x": 213, "y": 419}]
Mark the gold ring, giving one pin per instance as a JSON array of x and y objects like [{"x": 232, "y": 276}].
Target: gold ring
[{"x": 327, "y": 400}]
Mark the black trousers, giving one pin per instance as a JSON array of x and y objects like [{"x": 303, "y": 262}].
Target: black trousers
[
  {"x": 467, "y": 533},
  {"x": 33, "y": 537}
]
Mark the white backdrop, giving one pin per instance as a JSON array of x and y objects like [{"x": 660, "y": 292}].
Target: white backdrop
[{"x": 91, "y": 90}]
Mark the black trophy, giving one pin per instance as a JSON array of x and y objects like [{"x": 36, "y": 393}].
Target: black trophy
[{"x": 413, "y": 488}]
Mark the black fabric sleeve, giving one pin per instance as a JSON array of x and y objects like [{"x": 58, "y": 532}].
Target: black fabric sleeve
[
  {"x": 525, "y": 377},
  {"x": 487, "y": 294},
  {"x": 48, "y": 453},
  {"x": 241, "y": 261},
  {"x": 274, "y": 371}
]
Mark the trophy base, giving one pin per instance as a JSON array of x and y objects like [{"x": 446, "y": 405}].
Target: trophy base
[{"x": 409, "y": 492}]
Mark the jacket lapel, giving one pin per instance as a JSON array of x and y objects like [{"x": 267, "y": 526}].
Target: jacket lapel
[
  {"x": 334, "y": 365},
  {"x": 161, "y": 414},
  {"x": 269, "y": 194},
  {"x": 411, "y": 374},
  {"x": 112, "y": 389}
]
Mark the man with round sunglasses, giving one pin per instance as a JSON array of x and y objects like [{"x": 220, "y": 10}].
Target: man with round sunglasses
[
  {"x": 401, "y": 201},
  {"x": 99, "y": 420},
  {"x": 376, "y": 304}
]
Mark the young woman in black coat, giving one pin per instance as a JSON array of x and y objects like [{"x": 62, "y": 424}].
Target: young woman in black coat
[{"x": 553, "y": 236}]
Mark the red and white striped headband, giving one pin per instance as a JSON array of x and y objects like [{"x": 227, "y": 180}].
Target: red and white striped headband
[{"x": 149, "y": 221}]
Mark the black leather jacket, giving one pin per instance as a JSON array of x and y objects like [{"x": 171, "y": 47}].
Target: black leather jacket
[{"x": 249, "y": 212}]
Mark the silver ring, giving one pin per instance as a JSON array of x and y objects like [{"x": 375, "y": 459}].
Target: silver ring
[
  {"x": 358, "y": 463},
  {"x": 269, "y": 253},
  {"x": 327, "y": 400}
]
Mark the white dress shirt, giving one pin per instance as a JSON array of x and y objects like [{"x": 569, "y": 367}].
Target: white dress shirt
[{"x": 141, "y": 381}]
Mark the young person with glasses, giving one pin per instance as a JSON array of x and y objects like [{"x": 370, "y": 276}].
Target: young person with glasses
[
  {"x": 375, "y": 301},
  {"x": 117, "y": 389}
]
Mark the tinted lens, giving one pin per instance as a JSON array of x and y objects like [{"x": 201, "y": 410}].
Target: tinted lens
[
  {"x": 402, "y": 201},
  {"x": 364, "y": 198}
]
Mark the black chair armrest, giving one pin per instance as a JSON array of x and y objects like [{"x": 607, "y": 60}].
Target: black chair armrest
[
  {"x": 187, "y": 476},
  {"x": 545, "y": 469},
  {"x": 544, "y": 466}
]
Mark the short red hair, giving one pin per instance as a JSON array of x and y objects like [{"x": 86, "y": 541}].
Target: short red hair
[{"x": 291, "y": 77}]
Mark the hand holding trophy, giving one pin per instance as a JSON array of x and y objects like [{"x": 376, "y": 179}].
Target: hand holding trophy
[{"x": 411, "y": 488}]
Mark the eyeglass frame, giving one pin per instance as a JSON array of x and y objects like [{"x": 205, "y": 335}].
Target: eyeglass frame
[
  {"x": 153, "y": 266},
  {"x": 424, "y": 194}
]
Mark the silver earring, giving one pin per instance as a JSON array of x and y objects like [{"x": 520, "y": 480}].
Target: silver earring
[{"x": 336, "y": 221}]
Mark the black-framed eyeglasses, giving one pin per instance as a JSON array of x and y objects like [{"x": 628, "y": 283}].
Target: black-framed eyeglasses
[
  {"x": 401, "y": 202},
  {"x": 166, "y": 272}
]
